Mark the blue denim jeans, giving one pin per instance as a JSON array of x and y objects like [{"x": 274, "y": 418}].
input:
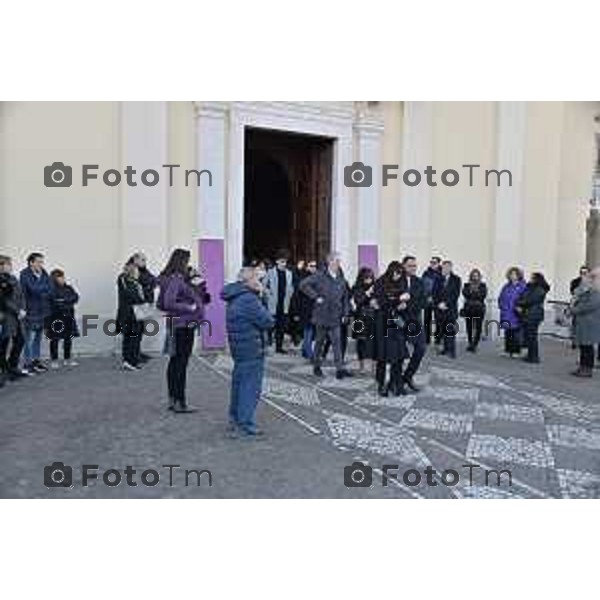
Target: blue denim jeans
[
  {"x": 307, "y": 342},
  {"x": 246, "y": 387},
  {"x": 33, "y": 343}
]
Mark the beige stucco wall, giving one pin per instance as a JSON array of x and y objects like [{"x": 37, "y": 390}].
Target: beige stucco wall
[{"x": 89, "y": 231}]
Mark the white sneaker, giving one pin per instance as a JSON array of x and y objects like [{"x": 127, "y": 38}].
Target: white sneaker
[
  {"x": 54, "y": 365},
  {"x": 129, "y": 367},
  {"x": 71, "y": 363}
]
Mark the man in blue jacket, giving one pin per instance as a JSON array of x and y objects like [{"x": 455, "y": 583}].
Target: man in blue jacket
[
  {"x": 36, "y": 287},
  {"x": 247, "y": 321}
]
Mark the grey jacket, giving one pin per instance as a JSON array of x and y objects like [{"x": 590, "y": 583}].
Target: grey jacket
[
  {"x": 271, "y": 290},
  {"x": 586, "y": 309},
  {"x": 331, "y": 296}
]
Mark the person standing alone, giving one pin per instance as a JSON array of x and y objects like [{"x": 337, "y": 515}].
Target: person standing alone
[
  {"x": 586, "y": 308},
  {"x": 247, "y": 324}
]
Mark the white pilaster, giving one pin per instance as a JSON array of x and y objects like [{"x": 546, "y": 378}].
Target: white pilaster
[
  {"x": 144, "y": 209},
  {"x": 211, "y": 144}
]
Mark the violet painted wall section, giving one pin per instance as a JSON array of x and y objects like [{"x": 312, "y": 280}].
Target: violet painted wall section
[
  {"x": 368, "y": 256},
  {"x": 212, "y": 258}
]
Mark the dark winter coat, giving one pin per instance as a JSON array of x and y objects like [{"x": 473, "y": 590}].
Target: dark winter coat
[
  {"x": 431, "y": 279},
  {"x": 301, "y": 306},
  {"x": 390, "y": 338},
  {"x": 130, "y": 293},
  {"x": 148, "y": 281},
  {"x": 586, "y": 309},
  {"x": 507, "y": 302},
  {"x": 11, "y": 302},
  {"x": 63, "y": 299},
  {"x": 182, "y": 302},
  {"x": 530, "y": 305},
  {"x": 474, "y": 295},
  {"x": 418, "y": 300},
  {"x": 36, "y": 290},
  {"x": 246, "y": 319},
  {"x": 364, "y": 311},
  {"x": 331, "y": 297},
  {"x": 448, "y": 291}
]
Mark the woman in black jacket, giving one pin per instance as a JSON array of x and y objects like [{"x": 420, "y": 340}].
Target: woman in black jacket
[
  {"x": 390, "y": 341},
  {"x": 63, "y": 326},
  {"x": 130, "y": 294},
  {"x": 474, "y": 292},
  {"x": 363, "y": 311},
  {"x": 530, "y": 308}
]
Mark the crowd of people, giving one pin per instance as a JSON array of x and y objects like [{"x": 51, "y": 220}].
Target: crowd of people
[{"x": 392, "y": 318}]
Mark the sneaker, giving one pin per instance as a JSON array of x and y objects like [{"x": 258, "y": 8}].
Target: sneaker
[
  {"x": 317, "y": 372},
  {"x": 54, "y": 365},
  {"x": 252, "y": 434},
  {"x": 342, "y": 373},
  {"x": 39, "y": 368},
  {"x": 129, "y": 367},
  {"x": 71, "y": 363}
]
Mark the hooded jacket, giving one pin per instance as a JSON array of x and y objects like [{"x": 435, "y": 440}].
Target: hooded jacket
[{"x": 246, "y": 320}]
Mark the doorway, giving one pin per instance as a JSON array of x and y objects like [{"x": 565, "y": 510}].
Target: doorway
[{"x": 287, "y": 194}]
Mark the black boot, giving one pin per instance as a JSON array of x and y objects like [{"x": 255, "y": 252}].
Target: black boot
[
  {"x": 182, "y": 406},
  {"x": 382, "y": 390},
  {"x": 410, "y": 382},
  {"x": 171, "y": 405}
]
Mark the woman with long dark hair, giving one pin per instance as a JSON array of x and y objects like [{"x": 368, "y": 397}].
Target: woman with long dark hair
[
  {"x": 363, "y": 305},
  {"x": 530, "y": 308},
  {"x": 182, "y": 297},
  {"x": 390, "y": 340},
  {"x": 474, "y": 292}
]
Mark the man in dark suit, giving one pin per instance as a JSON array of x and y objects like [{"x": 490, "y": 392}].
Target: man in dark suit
[
  {"x": 413, "y": 318},
  {"x": 445, "y": 301}
]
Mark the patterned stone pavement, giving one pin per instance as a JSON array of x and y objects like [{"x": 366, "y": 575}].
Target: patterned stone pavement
[
  {"x": 483, "y": 410},
  {"x": 548, "y": 440}
]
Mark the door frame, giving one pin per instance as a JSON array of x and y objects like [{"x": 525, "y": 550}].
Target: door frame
[{"x": 294, "y": 117}]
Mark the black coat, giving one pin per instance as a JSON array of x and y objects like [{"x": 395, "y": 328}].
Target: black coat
[
  {"x": 12, "y": 301},
  {"x": 363, "y": 299},
  {"x": 62, "y": 308},
  {"x": 474, "y": 296},
  {"x": 530, "y": 305},
  {"x": 448, "y": 291},
  {"x": 130, "y": 293},
  {"x": 301, "y": 306},
  {"x": 390, "y": 338},
  {"x": 148, "y": 281}
]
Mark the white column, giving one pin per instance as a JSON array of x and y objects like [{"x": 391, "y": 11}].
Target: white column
[
  {"x": 415, "y": 202},
  {"x": 234, "y": 251},
  {"x": 211, "y": 144},
  {"x": 512, "y": 131},
  {"x": 341, "y": 207},
  {"x": 144, "y": 208}
]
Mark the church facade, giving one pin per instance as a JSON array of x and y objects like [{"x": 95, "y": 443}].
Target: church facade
[{"x": 240, "y": 180}]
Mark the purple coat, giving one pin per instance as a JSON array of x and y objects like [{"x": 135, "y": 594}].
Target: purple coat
[
  {"x": 507, "y": 301},
  {"x": 177, "y": 298}
]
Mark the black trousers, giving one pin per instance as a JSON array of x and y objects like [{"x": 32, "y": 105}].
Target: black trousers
[
  {"x": 132, "y": 339},
  {"x": 512, "y": 340},
  {"x": 586, "y": 356},
  {"x": 279, "y": 330},
  {"x": 419, "y": 348},
  {"x": 428, "y": 324},
  {"x": 362, "y": 346},
  {"x": 16, "y": 343},
  {"x": 183, "y": 343},
  {"x": 532, "y": 341},
  {"x": 67, "y": 345},
  {"x": 474, "y": 329},
  {"x": 395, "y": 373},
  {"x": 449, "y": 331}
]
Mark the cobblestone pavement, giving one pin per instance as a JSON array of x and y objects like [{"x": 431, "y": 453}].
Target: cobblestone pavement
[{"x": 482, "y": 410}]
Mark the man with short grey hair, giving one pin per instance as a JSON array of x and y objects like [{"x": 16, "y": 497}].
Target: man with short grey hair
[
  {"x": 329, "y": 290},
  {"x": 247, "y": 321}
]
